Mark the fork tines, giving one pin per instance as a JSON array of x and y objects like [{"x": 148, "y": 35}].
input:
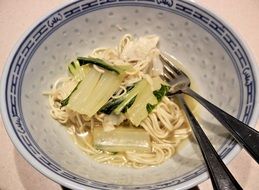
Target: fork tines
[{"x": 169, "y": 64}]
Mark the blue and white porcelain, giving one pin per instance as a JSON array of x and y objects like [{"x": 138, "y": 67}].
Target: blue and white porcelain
[{"x": 219, "y": 64}]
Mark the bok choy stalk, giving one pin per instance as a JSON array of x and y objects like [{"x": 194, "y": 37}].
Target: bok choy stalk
[
  {"x": 130, "y": 97},
  {"x": 137, "y": 112},
  {"x": 122, "y": 139},
  {"x": 94, "y": 91},
  {"x": 123, "y": 103},
  {"x": 65, "y": 101},
  {"x": 79, "y": 72},
  {"x": 111, "y": 105},
  {"x": 147, "y": 100}
]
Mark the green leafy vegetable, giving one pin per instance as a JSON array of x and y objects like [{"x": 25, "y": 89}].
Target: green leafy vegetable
[
  {"x": 118, "y": 69},
  {"x": 65, "y": 101},
  {"x": 72, "y": 67},
  {"x": 111, "y": 105},
  {"x": 124, "y": 110},
  {"x": 137, "y": 112},
  {"x": 159, "y": 94},
  {"x": 96, "y": 88},
  {"x": 94, "y": 91},
  {"x": 128, "y": 88},
  {"x": 114, "y": 153},
  {"x": 130, "y": 96},
  {"x": 98, "y": 62},
  {"x": 150, "y": 107},
  {"x": 79, "y": 72}
]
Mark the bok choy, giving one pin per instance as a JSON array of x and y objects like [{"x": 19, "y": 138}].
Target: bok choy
[
  {"x": 122, "y": 139},
  {"x": 94, "y": 91},
  {"x": 119, "y": 69},
  {"x": 95, "y": 88},
  {"x": 139, "y": 101},
  {"x": 79, "y": 72},
  {"x": 99, "y": 62},
  {"x": 146, "y": 100}
]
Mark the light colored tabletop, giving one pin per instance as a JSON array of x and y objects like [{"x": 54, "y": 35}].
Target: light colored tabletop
[{"x": 17, "y": 16}]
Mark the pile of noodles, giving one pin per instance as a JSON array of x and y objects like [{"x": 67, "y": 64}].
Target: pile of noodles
[{"x": 165, "y": 124}]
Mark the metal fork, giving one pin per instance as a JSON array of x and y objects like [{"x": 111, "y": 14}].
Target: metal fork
[
  {"x": 220, "y": 176},
  {"x": 180, "y": 82}
]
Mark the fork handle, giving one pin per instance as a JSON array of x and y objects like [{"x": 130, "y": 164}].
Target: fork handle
[
  {"x": 221, "y": 177},
  {"x": 243, "y": 134}
]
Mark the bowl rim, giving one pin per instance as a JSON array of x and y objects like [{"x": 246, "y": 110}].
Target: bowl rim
[{"x": 66, "y": 182}]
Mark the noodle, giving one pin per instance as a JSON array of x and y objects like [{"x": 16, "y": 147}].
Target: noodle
[{"x": 165, "y": 124}]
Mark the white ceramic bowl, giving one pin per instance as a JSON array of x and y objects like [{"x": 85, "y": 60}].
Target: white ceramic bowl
[{"x": 220, "y": 65}]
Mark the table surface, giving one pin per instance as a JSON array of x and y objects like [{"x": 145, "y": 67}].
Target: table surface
[{"x": 18, "y": 16}]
